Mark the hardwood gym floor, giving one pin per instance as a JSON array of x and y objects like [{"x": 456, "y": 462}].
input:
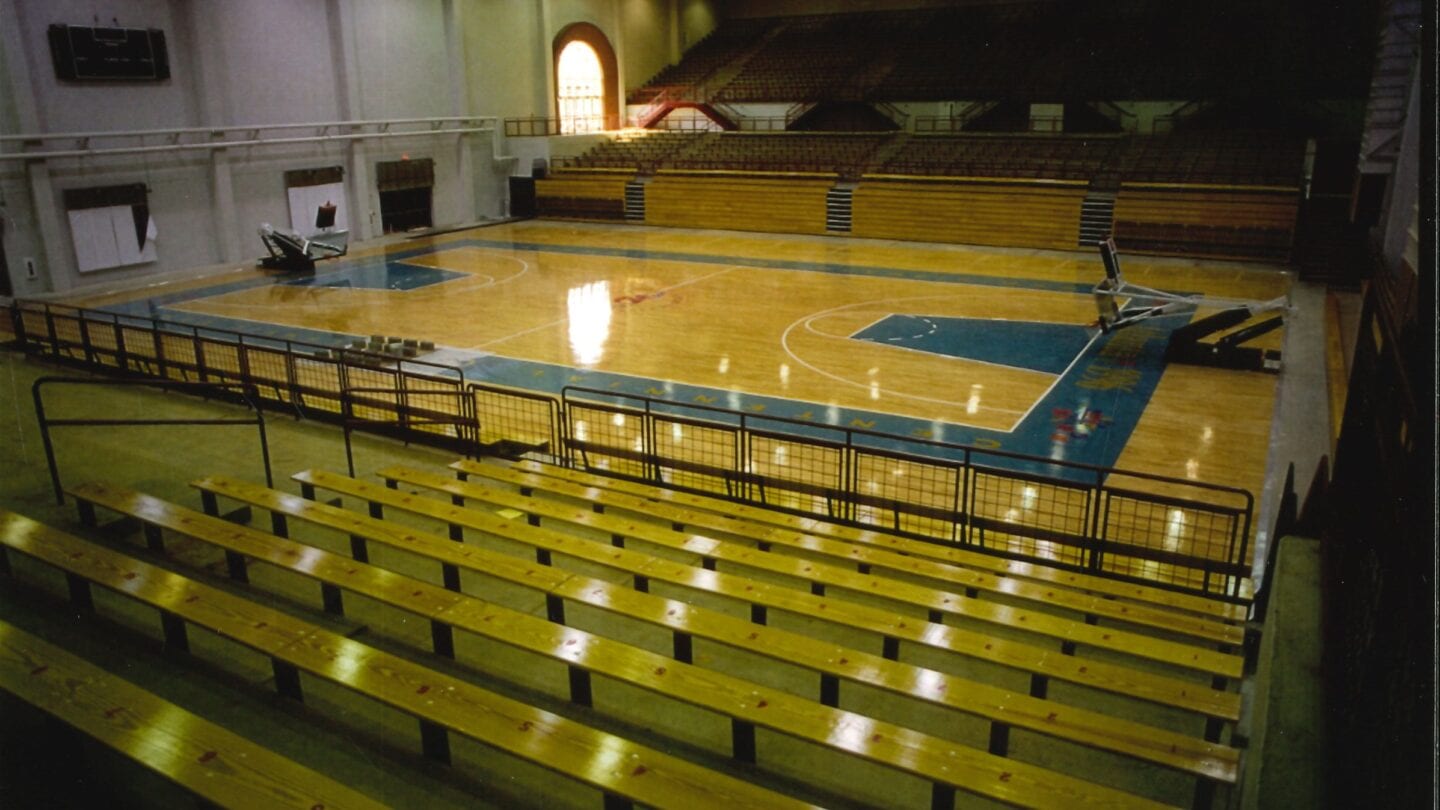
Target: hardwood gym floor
[{"x": 979, "y": 346}]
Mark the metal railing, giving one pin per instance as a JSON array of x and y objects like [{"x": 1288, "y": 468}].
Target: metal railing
[
  {"x": 1172, "y": 532},
  {"x": 240, "y": 393},
  {"x": 304, "y": 378},
  {"x": 541, "y": 126},
  {"x": 415, "y": 400},
  {"x": 33, "y": 146},
  {"x": 1175, "y": 533}
]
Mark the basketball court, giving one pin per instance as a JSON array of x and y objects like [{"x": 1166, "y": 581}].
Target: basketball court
[{"x": 988, "y": 347}]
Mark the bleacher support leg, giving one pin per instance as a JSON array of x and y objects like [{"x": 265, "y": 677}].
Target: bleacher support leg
[
  {"x": 617, "y": 540},
  {"x": 450, "y": 576},
  {"x": 542, "y": 556},
  {"x": 613, "y": 802},
  {"x": 1204, "y": 794},
  {"x": 555, "y": 608},
  {"x": 580, "y": 693},
  {"x": 153, "y": 540},
  {"x": 287, "y": 680},
  {"x": 457, "y": 532},
  {"x": 278, "y": 525},
  {"x": 891, "y": 648},
  {"x": 642, "y": 584},
  {"x": 757, "y": 614},
  {"x": 174, "y": 629},
  {"x": 829, "y": 690},
  {"x": 434, "y": 742},
  {"x": 235, "y": 565},
  {"x": 936, "y": 617},
  {"x": 377, "y": 510},
  {"x": 442, "y": 639},
  {"x": 863, "y": 568},
  {"x": 684, "y": 648},
  {"x": 80, "y": 597},
  {"x": 1213, "y": 727},
  {"x": 87, "y": 513},
  {"x": 208, "y": 503},
  {"x": 942, "y": 797},
  {"x": 307, "y": 491},
  {"x": 817, "y": 588},
  {"x": 743, "y": 737},
  {"x": 358, "y": 549},
  {"x": 999, "y": 739},
  {"x": 332, "y": 599},
  {"x": 1039, "y": 686}
]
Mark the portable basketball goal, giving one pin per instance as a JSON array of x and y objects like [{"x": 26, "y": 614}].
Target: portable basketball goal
[{"x": 1121, "y": 304}]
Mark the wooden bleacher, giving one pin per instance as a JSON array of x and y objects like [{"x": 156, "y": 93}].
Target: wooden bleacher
[
  {"x": 1207, "y": 220},
  {"x": 1212, "y": 762},
  {"x": 520, "y": 474},
  {"x": 1040, "y": 664},
  {"x": 595, "y": 194},
  {"x": 214, "y": 764},
  {"x": 835, "y": 552},
  {"x": 586, "y": 653},
  {"x": 442, "y": 704},
  {"x": 788, "y": 204},
  {"x": 819, "y": 577},
  {"x": 1164, "y": 690},
  {"x": 977, "y": 212}
]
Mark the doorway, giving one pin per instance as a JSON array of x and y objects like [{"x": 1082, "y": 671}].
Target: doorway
[{"x": 405, "y": 194}]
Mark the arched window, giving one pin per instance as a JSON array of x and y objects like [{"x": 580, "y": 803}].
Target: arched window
[
  {"x": 587, "y": 80},
  {"x": 580, "y": 89}
]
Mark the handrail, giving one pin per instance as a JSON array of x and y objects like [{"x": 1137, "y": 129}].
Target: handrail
[
  {"x": 176, "y": 131},
  {"x": 225, "y": 144},
  {"x": 243, "y": 391}
]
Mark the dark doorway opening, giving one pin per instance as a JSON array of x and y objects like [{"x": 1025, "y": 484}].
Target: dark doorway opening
[
  {"x": 405, "y": 197},
  {"x": 405, "y": 209}
]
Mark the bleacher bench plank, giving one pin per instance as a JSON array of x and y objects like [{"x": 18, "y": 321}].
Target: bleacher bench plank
[
  {"x": 1040, "y": 663},
  {"x": 889, "y": 745},
  {"x": 1215, "y": 609},
  {"x": 1204, "y": 759},
  {"x": 614, "y": 765},
  {"x": 208, "y": 760},
  {"x": 1067, "y": 631},
  {"x": 681, "y": 516}
]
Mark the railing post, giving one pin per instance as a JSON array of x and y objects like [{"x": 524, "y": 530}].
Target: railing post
[
  {"x": 122, "y": 357},
  {"x": 242, "y": 359},
  {"x": 83, "y": 324},
  {"x": 290, "y": 384},
  {"x": 45, "y": 440},
  {"x": 50, "y": 328},
  {"x": 1097, "y": 554},
  {"x": 201, "y": 373}
]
